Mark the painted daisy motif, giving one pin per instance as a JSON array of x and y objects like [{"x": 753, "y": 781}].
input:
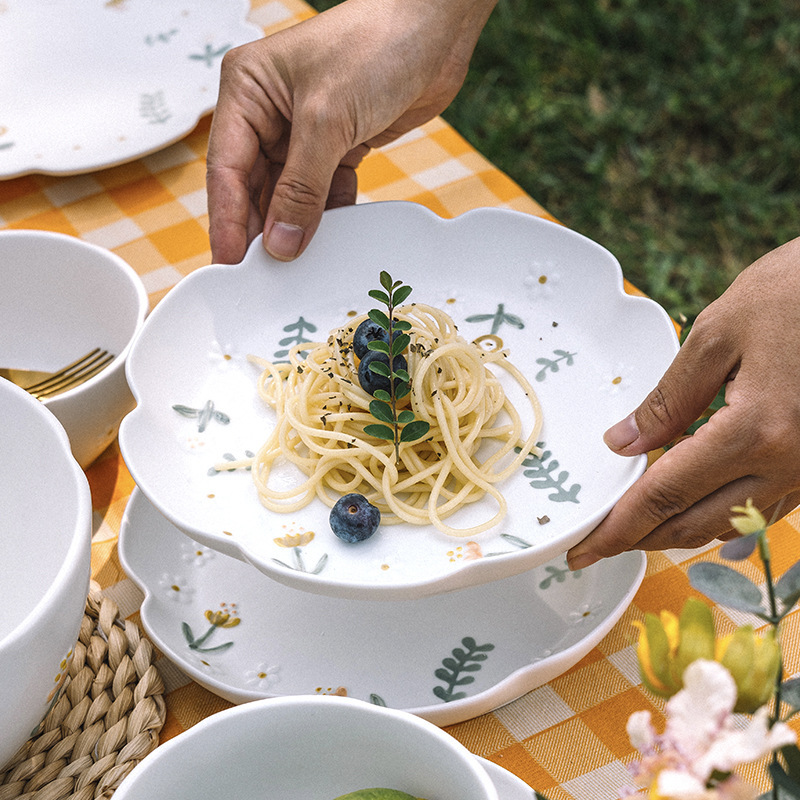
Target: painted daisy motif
[
  {"x": 195, "y": 554},
  {"x": 175, "y": 588},
  {"x": 542, "y": 281},
  {"x": 616, "y": 378},
  {"x": 263, "y": 676},
  {"x": 582, "y": 614}
]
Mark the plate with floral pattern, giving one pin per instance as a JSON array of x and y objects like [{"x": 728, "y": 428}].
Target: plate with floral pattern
[
  {"x": 553, "y": 298},
  {"x": 446, "y": 658},
  {"x": 99, "y": 82}
]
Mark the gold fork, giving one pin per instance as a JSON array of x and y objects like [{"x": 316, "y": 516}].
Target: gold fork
[{"x": 47, "y": 384}]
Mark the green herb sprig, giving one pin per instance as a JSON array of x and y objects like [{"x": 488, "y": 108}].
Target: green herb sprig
[{"x": 402, "y": 427}]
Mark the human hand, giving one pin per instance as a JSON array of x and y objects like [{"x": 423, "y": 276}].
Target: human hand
[
  {"x": 749, "y": 340},
  {"x": 298, "y": 110}
]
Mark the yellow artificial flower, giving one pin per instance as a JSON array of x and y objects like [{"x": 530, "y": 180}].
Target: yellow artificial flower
[
  {"x": 750, "y": 521},
  {"x": 668, "y": 644},
  {"x": 754, "y": 662}
]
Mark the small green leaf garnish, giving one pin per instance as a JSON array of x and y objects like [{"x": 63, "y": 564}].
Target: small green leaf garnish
[
  {"x": 382, "y": 411},
  {"x": 404, "y": 426},
  {"x": 414, "y": 430},
  {"x": 379, "y": 368},
  {"x": 380, "y": 432},
  {"x": 379, "y": 318}
]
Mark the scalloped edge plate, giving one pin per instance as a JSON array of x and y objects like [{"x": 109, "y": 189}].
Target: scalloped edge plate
[
  {"x": 555, "y": 298},
  {"x": 447, "y": 659},
  {"x": 93, "y": 85}
]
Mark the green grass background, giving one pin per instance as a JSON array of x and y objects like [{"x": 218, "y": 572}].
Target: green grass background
[{"x": 667, "y": 131}]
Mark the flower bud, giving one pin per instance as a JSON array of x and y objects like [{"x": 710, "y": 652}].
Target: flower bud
[
  {"x": 668, "y": 644},
  {"x": 750, "y": 521},
  {"x": 754, "y": 662}
]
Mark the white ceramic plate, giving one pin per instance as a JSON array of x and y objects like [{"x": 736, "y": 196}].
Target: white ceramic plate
[
  {"x": 93, "y": 83},
  {"x": 447, "y": 658},
  {"x": 554, "y": 297}
]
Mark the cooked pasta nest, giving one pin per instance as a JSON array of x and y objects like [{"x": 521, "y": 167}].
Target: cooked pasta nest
[{"x": 475, "y": 442}]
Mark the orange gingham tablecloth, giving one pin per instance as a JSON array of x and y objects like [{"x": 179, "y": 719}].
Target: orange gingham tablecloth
[{"x": 567, "y": 738}]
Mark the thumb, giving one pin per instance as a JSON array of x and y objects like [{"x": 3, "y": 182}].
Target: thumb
[{"x": 685, "y": 391}]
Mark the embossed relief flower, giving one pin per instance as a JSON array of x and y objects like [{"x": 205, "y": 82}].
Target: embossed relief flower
[
  {"x": 220, "y": 357},
  {"x": 175, "y": 588},
  {"x": 196, "y": 554},
  {"x": 263, "y": 676},
  {"x": 542, "y": 280},
  {"x": 584, "y": 612},
  {"x": 616, "y": 378}
]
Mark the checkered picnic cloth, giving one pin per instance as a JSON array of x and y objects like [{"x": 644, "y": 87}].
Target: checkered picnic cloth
[{"x": 567, "y": 738}]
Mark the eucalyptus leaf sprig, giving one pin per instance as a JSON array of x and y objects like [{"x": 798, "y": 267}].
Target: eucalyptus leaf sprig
[
  {"x": 731, "y": 588},
  {"x": 402, "y": 426}
]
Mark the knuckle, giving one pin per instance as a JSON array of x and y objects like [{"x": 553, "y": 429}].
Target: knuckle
[
  {"x": 661, "y": 406},
  {"x": 677, "y": 535},
  {"x": 773, "y": 441},
  {"x": 663, "y": 503},
  {"x": 233, "y": 60},
  {"x": 293, "y": 190}
]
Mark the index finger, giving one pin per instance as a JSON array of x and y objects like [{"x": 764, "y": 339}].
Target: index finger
[{"x": 231, "y": 174}]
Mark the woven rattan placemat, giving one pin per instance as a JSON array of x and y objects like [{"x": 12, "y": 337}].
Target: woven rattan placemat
[{"x": 106, "y": 720}]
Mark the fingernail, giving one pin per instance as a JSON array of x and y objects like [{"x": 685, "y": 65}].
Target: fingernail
[
  {"x": 582, "y": 561},
  {"x": 622, "y": 434},
  {"x": 283, "y": 241}
]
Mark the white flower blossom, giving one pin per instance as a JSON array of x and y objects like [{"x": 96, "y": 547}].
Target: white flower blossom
[{"x": 701, "y": 738}]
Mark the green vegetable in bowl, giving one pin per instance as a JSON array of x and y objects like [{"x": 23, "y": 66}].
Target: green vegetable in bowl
[{"x": 377, "y": 794}]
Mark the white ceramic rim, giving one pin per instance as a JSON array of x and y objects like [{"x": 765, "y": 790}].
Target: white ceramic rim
[
  {"x": 96, "y": 163},
  {"x": 83, "y": 524},
  {"x": 142, "y": 300},
  {"x": 310, "y": 702}
]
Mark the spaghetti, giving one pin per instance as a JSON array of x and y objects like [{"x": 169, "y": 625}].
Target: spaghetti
[{"x": 475, "y": 441}]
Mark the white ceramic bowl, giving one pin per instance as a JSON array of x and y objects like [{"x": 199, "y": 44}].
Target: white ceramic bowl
[
  {"x": 308, "y": 748},
  {"x": 45, "y": 539},
  {"x": 61, "y": 298}
]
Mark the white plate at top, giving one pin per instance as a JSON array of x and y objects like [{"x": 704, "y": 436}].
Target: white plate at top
[
  {"x": 450, "y": 658},
  {"x": 556, "y": 299},
  {"x": 92, "y": 83}
]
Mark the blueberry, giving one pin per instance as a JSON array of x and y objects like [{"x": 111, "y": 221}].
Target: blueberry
[
  {"x": 370, "y": 381},
  {"x": 354, "y": 518},
  {"x": 368, "y": 331}
]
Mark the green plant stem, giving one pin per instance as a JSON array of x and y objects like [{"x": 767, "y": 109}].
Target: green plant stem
[
  {"x": 766, "y": 562},
  {"x": 392, "y": 395}
]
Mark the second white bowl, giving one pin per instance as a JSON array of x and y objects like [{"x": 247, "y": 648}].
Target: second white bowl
[
  {"x": 61, "y": 298},
  {"x": 308, "y": 748}
]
